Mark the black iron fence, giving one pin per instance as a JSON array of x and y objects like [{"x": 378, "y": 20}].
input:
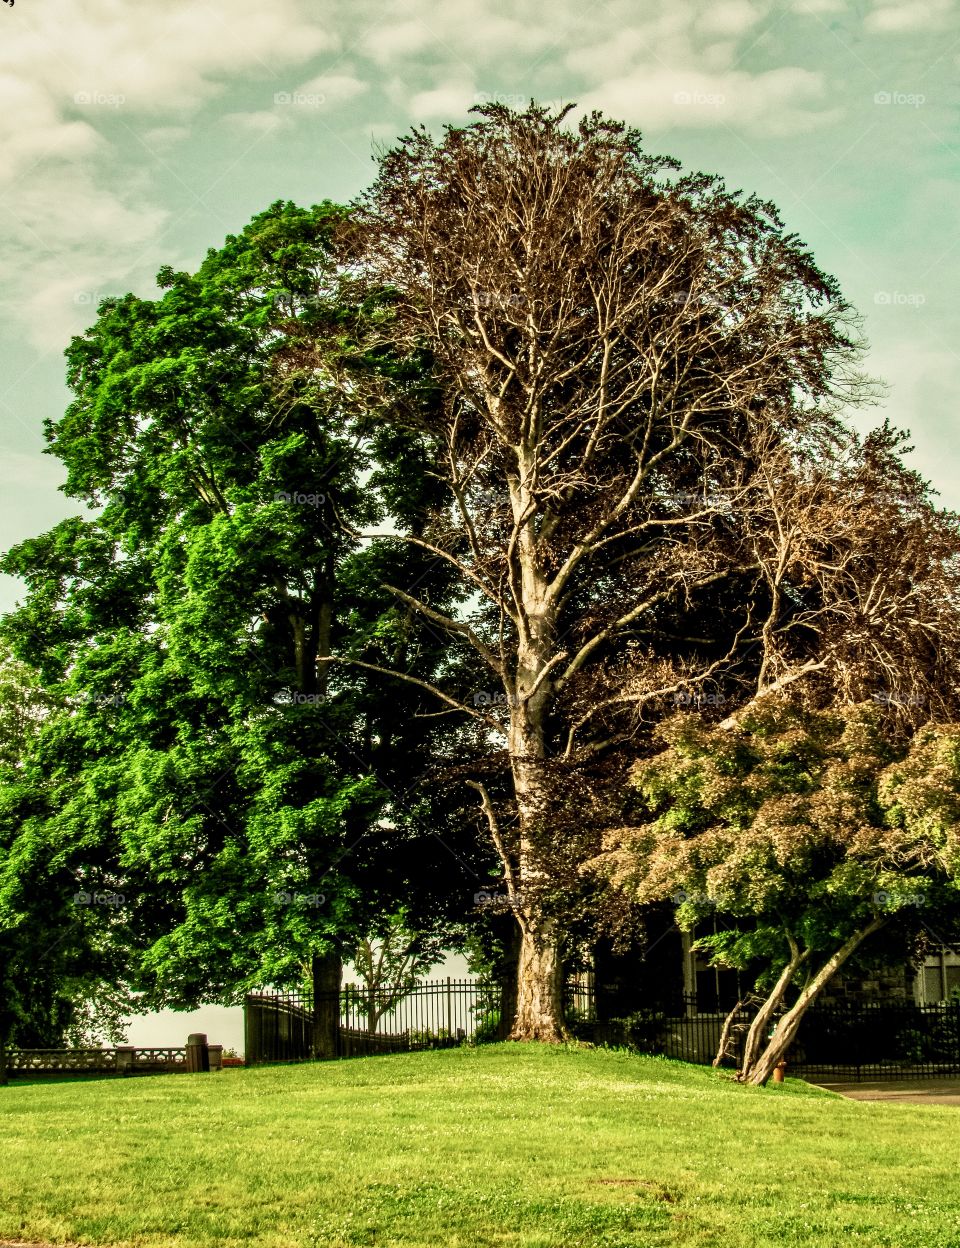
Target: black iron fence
[
  {"x": 279, "y": 1027},
  {"x": 883, "y": 1041},
  {"x": 854, "y": 1041}
]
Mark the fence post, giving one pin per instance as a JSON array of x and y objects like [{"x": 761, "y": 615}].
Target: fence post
[
  {"x": 449, "y": 1012},
  {"x": 198, "y": 1054},
  {"x": 125, "y": 1059}
]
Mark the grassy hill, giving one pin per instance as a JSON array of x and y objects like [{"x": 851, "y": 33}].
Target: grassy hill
[{"x": 509, "y": 1145}]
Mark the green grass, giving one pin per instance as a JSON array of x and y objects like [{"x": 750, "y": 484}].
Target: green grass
[{"x": 515, "y": 1145}]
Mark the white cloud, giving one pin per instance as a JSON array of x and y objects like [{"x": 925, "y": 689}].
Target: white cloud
[
  {"x": 166, "y": 136},
  {"x": 335, "y": 88},
  {"x": 895, "y": 16},
  {"x": 814, "y": 8},
  {"x": 263, "y": 122},
  {"x": 32, "y": 129},
  {"x": 67, "y": 243},
  {"x": 777, "y": 102},
  {"x": 165, "y": 57},
  {"x": 729, "y": 17},
  {"x": 449, "y": 101},
  {"x": 463, "y": 31},
  {"x": 77, "y": 226}
]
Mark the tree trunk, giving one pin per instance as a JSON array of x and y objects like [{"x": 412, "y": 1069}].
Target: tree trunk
[
  {"x": 788, "y": 1026},
  {"x": 539, "y": 985},
  {"x": 326, "y": 972},
  {"x": 755, "y": 1035},
  {"x": 540, "y": 971},
  {"x": 4, "y": 1077}
]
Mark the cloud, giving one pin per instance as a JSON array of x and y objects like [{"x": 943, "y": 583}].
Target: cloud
[
  {"x": 74, "y": 74},
  {"x": 260, "y": 123},
  {"x": 896, "y": 17},
  {"x": 776, "y": 102},
  {"x": 335, "y": 88},
  {"x": 164, "y": 57},
  {"x": 32, "y": 129},
  {"x": 67, "y": 243},
  {"x": 166, "y": 136},
  {"x": 463, "y": 31},
  {"x": 449, "y": 101}
]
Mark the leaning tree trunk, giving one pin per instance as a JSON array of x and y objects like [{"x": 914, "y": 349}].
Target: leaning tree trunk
[
  {"x": 326, "y": 973},
  {"x": 786, "y": 1029},
  {"x": 768, "y": 1008}
]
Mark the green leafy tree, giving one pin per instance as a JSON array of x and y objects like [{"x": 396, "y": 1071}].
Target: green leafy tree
[
  {"x": 258, "y": 808},
  {"x": 390, "y": 961},
  {"x": 801, "y": 835}
]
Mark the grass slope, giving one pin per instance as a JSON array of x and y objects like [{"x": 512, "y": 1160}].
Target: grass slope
[{"x": 519, "y": 1146}]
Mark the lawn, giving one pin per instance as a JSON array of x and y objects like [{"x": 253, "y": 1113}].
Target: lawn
[{"x": 515, "y": 1145}]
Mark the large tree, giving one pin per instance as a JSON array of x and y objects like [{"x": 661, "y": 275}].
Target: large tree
[
  {"x": 259, "y": 810},
  {"x": 634, "y": 404}
]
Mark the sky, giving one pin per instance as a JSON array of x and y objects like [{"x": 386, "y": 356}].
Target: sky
[{"x": 137, "y": 134}]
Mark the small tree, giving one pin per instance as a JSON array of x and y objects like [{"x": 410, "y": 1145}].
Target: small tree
[
  {"x": 802, "y": 834},
  {"x": 390, "y": 962}
]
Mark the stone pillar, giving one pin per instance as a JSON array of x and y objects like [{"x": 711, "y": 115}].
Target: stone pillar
[
  {"x": 216, "y": 1056},
  {"x": 125, "y": 1055}
]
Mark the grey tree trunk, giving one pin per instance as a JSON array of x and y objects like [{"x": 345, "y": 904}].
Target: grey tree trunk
[{"x": 540, "y": 970}]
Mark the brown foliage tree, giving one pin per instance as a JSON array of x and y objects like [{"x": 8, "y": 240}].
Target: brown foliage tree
[{"x": 634, "y": 406}]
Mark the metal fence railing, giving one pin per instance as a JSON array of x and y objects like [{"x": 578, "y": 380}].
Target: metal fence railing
[
  {"x": 857, "y": 1041},
  {"x": 434, "y": 1014}
]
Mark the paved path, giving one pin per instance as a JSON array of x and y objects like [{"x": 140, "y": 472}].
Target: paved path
[{"x": 905, "y": 1091}]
